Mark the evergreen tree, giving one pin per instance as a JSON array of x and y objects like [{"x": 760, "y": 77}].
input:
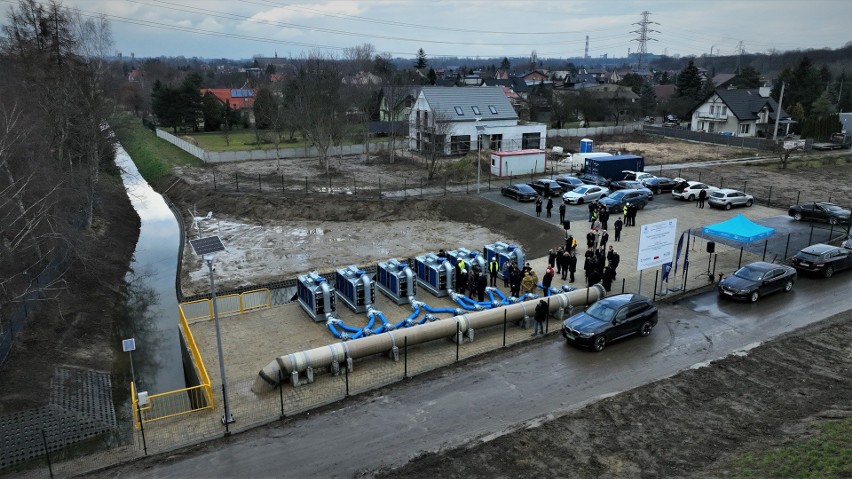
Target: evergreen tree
[
  {"x": 421, "y": 62},
  {"x": 432, "y": 76},
  {"x": 823, "y": 106},
  {"x": 265, "y": 108},
  {"x": 689, "y": 83},
  {"x": 212, "y": 111},
  {"x": 505, "y": 65},
  {"x": 748, "y": 77},
  {"x": 647, "y": 100}
]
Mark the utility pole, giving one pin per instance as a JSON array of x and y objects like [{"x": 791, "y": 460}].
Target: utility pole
[{"x": 644, "y": 31}]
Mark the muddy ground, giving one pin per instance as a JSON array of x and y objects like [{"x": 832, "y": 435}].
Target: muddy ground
[{"x": 78, "y": 330}]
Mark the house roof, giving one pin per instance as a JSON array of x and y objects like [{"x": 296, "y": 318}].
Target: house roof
[
  {"x": 237, "y": 98},
  {"x": 664, "y": 92},
  {"x": 448, "y": 102},
  {"x": 723, "y": 78},
  {"x": 745, "y": 104}
]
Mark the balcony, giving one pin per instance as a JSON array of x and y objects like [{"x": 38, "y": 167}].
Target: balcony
[{"x": 703, "y": 115}]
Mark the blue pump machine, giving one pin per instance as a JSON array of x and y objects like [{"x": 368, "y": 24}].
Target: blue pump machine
[
  {"x": 504, "y": 253},
  {"x": 434, "y": 274},
  {"x": 316, "y": 296},
  {"x": 470, "y": 258},
  {"x": 355, "y": 288},
  {"x": 396, "y": 281}
]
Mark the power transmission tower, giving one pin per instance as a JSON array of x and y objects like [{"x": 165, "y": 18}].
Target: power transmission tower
[
  {"x": 740, "y": 51},
  {"x": 644, "y": 31}
]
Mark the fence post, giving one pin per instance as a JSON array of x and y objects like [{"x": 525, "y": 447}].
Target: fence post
[
  {"x": 769, "y": 201},
  {"x": 786, "y": 248},
  {"x": 214, "y": 180},
  {"x": 405, "y": 359},
  {"x": 722, "y": 182},
  {"x": 306, "y": 184},
  {"x": 282, "y": 183},
  {"x": 281, "y": 392},
  {"x": 259, "y": 184},
  {"x": 740, "y": 262},
  {"x": 811, "y": 236},
  {"x": 744, "y": 186},
  {"x": 329, "y": 184},
  {"x": 421, "y": 186},
  {"x": 458, "y": 339},
  {"x": 765, "y": 245},
  {"x": 445, "y": 187},
  {"x": 237, "y": 180},
  {"x": 798, "y": 194},
  {"x": 699, "y": 176},
  {"x": 623, "y": 284},
  {"x": 405, "y": 188},
  {"x": 380, "y": 187},
  {"x": 141, "y": 426},
  {"x": 47, "y": 453},
  {"x": 504, "y": 326},
  {"x": 355, "y": 184}
]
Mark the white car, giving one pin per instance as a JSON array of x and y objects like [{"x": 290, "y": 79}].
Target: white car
[
  {"x": 689, "y": 190},
  {"x": 848, "y": 243},
  {"x": 639, "y": 176},
  {"x": 727, "y": 198},
  {"x": 584, "y": 194}
]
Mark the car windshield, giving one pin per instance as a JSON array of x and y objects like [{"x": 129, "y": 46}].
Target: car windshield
[
  {"x": 749, "y": 273},
  {"x": 524, "y": 188},
  {"x": 582, "y": 189},
  {"x": 602, "y": 311},
  {"x": 617, "y": 196},
  {"x": 717, "y": 194}
]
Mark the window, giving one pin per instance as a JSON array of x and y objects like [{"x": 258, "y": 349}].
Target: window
[
  {"x": 724, "y": 110},
  {"x": 745, "y": 128},
  {"x": 475, "y": 110},
  {"x": 459, "y": 111},
  {"x": 531, "y": 141},
  {"x": 493, "y": 109},
  {"x": 459, "y": 145},
  {"x": 496, "y": 142}
]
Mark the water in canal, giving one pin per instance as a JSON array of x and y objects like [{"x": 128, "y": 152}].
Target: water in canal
[{"x": 152, "y": 306}]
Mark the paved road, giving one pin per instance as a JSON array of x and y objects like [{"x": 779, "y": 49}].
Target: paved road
[{"x": 496, "y": 394}]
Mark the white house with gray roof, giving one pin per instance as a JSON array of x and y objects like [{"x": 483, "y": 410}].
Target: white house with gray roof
[
  {"x": 451, "y": 119},
  {"x": 740, "y": 112}
]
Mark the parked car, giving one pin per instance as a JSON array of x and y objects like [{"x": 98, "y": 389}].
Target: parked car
[
  {"x": 615, "y": 201},
  {"x": 590, "y": 179},
  {"x": 520, "y": 192},
  {"x": 820, "y": 211},
  {"x": 758, "y": 279},
  {"x": 547, "y": 187},
  {"x": 689, "y": 190},
  {"x": 584, "y": 194},
  {"x": 659, "y": 184},
  {"x": 822, "y": 259},
  {"x": 609, "y": 319},
  {"x": 631, "y": 185},
  {"x": 568, "y": 183},
  {"x": 637, "y": 175},
  {"x": 727, "y": 198},
  {"x": 848, "y": 243}
]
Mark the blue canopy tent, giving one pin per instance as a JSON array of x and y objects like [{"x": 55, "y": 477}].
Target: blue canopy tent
[{"x": 740, "y": 229}]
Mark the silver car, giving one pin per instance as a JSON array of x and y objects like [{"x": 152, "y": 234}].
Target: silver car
[
  {"x": 727, "y": 198},
  {"x": 584, "y": 194}
]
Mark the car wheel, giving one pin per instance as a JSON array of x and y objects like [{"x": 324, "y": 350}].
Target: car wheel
[
  {"x": 645, "y": 329},
  {"x": 599, "y": 343},
  {"x": 829, "y": 272},
  {"x": 642, "y": 206},
  {"x": 691, "y": 198},
  {"x": 657, "y": 191},
  {"x": 754, "y": 297},
  {"x": 728, "y": 206},
  {"x": 788, "y": 286},
  {"x": 797, "y": 216},
  {"x": 749, "y": 203},
  {"x": 580, "y": 201}
]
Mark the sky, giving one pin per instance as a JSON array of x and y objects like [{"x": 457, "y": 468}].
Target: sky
[{"x": 241, "y": 29}]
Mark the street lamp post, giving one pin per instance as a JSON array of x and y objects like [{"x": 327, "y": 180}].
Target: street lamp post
[
  {"x": 479, "y": 131},
  {"x": 228, "y": 417}
]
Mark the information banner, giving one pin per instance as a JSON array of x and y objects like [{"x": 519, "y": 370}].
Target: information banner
[{"x": 656, "y": 242}]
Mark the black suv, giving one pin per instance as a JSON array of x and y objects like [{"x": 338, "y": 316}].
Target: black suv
[
  {"x": 610, "y": 319},
  {"x": 822, "y": 259}
]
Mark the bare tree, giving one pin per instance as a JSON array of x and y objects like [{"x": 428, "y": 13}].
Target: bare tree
[
  {"x": 785, "y": 151},
  {"x": 438, "y": 131}
]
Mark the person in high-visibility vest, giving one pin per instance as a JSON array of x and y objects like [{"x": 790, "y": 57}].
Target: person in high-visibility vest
[{"x": 493, "y": 268}]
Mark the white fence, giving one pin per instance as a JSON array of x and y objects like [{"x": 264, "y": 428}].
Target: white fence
[{"x": 594, "y": 131}]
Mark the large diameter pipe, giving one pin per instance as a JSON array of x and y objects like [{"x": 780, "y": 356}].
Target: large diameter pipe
[{"x": 379, "y": 343}]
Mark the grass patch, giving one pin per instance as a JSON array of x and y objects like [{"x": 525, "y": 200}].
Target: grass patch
[
  {"x": 245, "y": 139},
  {"x": 153, "y": 157},
  {"x": 828, "y": 454}
]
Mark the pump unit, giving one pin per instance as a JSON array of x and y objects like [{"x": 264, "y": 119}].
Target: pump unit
[
  {"x": 471, "y": 258},
  {"x": 434, "y": 273},
  {"x": 355, "y": 288},
  {"x": 504, "y": 254},
  {"x": 316, "y": 296},
  {"x": 396, "y": 281}
]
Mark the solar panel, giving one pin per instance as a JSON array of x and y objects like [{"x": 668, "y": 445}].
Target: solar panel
[{"x": 208, "y": 245}]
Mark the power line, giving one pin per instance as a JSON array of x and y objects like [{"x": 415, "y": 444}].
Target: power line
[{"x": 643, "y": 38}]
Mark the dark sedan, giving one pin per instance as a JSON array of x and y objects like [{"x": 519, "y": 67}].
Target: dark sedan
[
  {"x": 615, "y": 202},
  {"x": 547, "y": 187},
  {"x": 520, "y": 192},
  {"x": 758, "y": 279},
  {"x": 631, "y": 185},
  {"x": 660, "y": 184},
  {"x": 822, "y": 259},
  {"x": 821, "y": 211},
  {"x": 568, "y": 183},
  {"x": 610, "y": 319},
  {"x": 593, "y": 179}
]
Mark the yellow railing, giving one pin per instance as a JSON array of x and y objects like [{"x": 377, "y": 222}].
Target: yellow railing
[{"x": 228, "y": 304}]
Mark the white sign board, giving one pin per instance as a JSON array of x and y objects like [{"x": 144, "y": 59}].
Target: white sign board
[
  {"x": 656, "y": 244},
  {"x": 793, "y": 144}
]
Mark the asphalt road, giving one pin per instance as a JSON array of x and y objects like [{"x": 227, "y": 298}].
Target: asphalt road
[{"x": 493, "y": 395}]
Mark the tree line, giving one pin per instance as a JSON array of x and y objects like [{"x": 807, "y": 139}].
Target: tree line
[{"x": 53, "y": 143}]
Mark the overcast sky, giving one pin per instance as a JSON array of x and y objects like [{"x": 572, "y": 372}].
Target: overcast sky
[{"x": 467, "y": 28}]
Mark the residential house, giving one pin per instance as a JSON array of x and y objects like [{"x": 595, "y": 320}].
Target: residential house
[
  {"x": 396, "y": 102},
  {"x": 534, "y": 77},
  {"x": 134, "y": 76},
  {"x": 453, "y": 121},
  {"x": 739, "y": 112},
  {"x": 240, "y": 100},
  {"x": 723, "y": 80},
  {"x": 664, "y": 93}
]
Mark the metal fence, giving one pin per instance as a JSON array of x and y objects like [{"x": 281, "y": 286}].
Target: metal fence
[{"x": 715, "y": 138}]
